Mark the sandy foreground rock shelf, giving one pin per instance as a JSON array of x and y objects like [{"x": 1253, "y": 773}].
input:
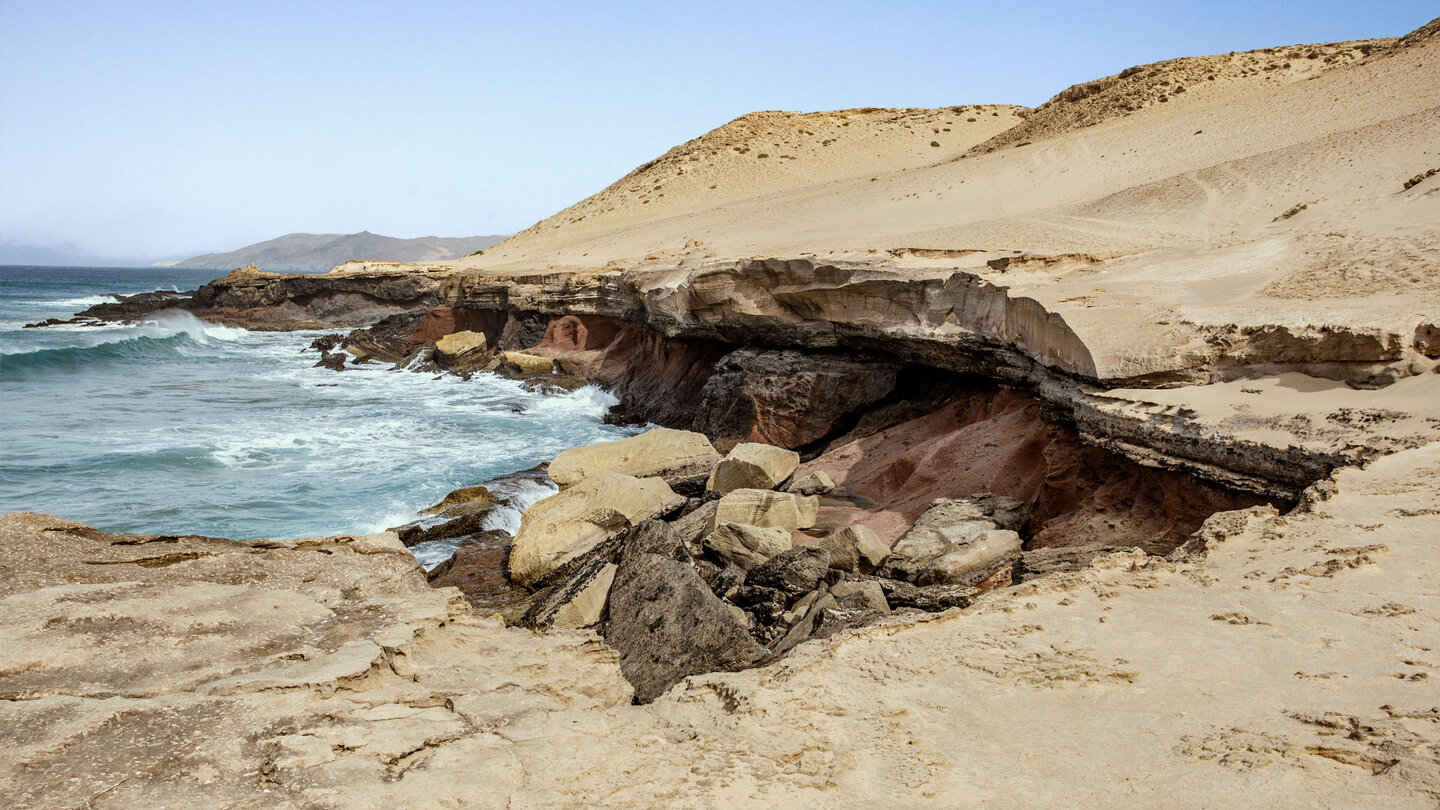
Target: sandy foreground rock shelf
[{"x": 1288, "y": 661}]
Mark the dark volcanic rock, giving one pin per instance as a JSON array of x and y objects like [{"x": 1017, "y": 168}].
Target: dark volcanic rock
[
  {"x": 933, "y": 598},
  {"x": 1004, "y": 512},
  {"x": 795, "y": 572},
  {"x": 787, "y": 398},
  {"x": 665, "y": 622}
]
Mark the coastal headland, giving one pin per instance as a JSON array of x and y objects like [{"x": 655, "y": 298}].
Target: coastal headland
[{"x": 1080, "y": 455}]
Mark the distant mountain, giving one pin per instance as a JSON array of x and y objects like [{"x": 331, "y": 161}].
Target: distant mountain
[{"x": 318, "y": 252}]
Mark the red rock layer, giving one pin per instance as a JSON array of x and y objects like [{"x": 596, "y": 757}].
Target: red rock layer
[{"x": 994, "y": 440}]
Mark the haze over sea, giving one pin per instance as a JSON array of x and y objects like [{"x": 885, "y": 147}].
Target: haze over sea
[{"x": 181, "y": 426}]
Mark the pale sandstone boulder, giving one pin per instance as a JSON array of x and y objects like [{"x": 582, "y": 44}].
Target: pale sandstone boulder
[
  {"x": 975, "y": 561},
  {"x": 815, "y": 482},
  {"x": 660, "y": 452},
  {"x": 761, "y": 507},
  {"x": 747, "y": 546},
  {"x": 588, "y": 606},
  {"x": 946, "y": 526},
  {"x": 456, "y": 344},
  {"x": 750, "y": 465},
  {"x": 522, "y": 365},
  {"x": 564, "y": 526},
  {"x": 856, "y": 549},
  {"x": 864, "y": 594}
]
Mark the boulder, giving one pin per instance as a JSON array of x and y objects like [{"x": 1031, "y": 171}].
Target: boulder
[
  {"x": 761, "y": 507},
  {"x": 932, "y": 599},
  {"x": 804, "y": 626},
  {"x": 1004, "y": 512},
  {"x": 795, "y": 572},
  {"x": 564, "y": 526},
  {"x": 855, "y": 549},
  {"x": 520, "y": 366},
  {"x": 753, "y": 466},
  {"x": 456, "y": 344},
  {"x": 693, "y": 528},
  {"x": 660, "y": 452},
  {"x": 944, "y": 527},
  {"x": 815, "y": 482},
  {"x": 864, "y": 594},
  {"x": 746, "y": 546},
  {"x": 787, "y": 398},
  {"x": 579, "y": 601},
  {"x": 666, "y": 624},
  {"x": 975, "y": 561},
  {"x": 462, "y": 500}
]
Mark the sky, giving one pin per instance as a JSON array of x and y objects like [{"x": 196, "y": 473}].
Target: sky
[{"x": 137, "y": 131}]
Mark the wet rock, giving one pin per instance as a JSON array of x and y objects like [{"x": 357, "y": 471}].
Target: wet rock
[
  {"x": 335, "y": 361},
  {"x": 746, "y": 546},
  {"x": 815, "y": 482},
  {"x": 975, "y": 561},
  {"x": 567, "y": 525},
  {"x": 666, "y": 623},
  {"x": 478, "y": 570},
  {"x": 855, "y": 549},
  {"x": 462, "y": 500},
  {"x": 753, "y": 466},
  {"x": 795, "y": 571},
  {"x": 662, "y": 452},
  {"x": 464, "y": 523},
  {"x": 761, "y": 507},
  {"x": 863, "y": 594},
  {"x": 559, "y": 384},
  {"x": 786, "y": 398}
]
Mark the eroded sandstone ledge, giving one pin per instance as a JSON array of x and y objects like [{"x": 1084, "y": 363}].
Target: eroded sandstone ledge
[{"x": 655, "y": 333}]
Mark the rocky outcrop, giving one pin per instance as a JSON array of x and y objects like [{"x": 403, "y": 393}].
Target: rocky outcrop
[
  {"x": 786, "y": 398},
  {"x": 564, "y": 526},
  {"x": 753, "y": 466},
  {"x": 744, "y": 545},
  {"x": 674, "y": 455},
  {"x": 666, "y": 623}
]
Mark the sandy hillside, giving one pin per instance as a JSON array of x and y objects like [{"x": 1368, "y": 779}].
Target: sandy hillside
[
  {"x": 1275, "y": 194},
  {"x": 766, "y": 152}
]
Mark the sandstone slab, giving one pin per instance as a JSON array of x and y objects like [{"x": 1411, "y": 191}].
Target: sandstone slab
[
  {"x": 457, "y": 344},
  {"x": 564, "y": 526},
  {"x": 660, "y": 452},
  {"x": 761, "y": 507},
  {"x": 856, "y": 549},
  {"x": 747, "y": 546},
  {"x": 749, "y": 465}
]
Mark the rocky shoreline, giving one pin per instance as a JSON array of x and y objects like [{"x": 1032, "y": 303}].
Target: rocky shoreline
[{"x": 881, "y": 428}]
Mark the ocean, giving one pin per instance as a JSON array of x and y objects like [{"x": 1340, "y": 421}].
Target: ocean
[{"x": 178, "y": 426}]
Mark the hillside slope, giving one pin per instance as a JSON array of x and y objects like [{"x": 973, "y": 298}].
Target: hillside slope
[
  {"x": 1274, "y": 198},
  {"x": 318, "y": 252}
]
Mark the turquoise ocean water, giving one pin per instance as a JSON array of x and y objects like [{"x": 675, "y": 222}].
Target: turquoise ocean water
[{"x": 179, "y": 426}]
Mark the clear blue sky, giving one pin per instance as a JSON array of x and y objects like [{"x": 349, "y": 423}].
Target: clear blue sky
[{"x": 135, "y": 129}]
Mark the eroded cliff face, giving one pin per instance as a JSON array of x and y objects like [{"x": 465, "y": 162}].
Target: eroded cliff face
[{"x": 656, "y": 335}]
